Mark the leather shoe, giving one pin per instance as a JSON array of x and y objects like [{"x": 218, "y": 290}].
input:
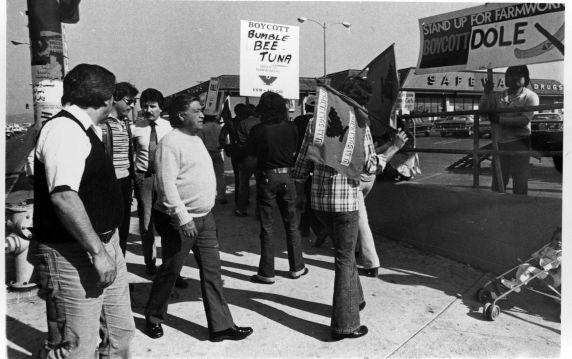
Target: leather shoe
[
  {"x": 372, "y": 272},
  {"x": 306, "y": 270},
  {"x": 234, "y": 333},
  {"x": 154, "y": 330},
  {"x": 181, "y": 283},
  {"x": 256, "y": 279},
  {"x": 360, "y": 332}
]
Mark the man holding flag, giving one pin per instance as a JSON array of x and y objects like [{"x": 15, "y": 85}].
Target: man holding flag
[{"x": 338, "y": 147}]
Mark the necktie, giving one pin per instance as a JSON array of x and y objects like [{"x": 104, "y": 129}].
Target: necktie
[{"x": 152, "y": 148}]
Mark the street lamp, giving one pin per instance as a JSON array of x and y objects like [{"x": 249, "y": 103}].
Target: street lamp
[{"x": 324, "y": 26}]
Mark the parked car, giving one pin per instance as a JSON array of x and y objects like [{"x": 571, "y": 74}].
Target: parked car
[
  {"x": 462, "y": 125},
  {"x": 547, "y": 134},
  {"x": 421, "y": 125}
]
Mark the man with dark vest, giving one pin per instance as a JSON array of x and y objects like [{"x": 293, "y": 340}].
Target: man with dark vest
[{"x": 77, "y": 209}]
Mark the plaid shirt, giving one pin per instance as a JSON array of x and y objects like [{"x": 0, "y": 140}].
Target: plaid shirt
[{"x": 332, "y": 191}]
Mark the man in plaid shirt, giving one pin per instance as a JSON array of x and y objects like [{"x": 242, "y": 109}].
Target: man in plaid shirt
[{"x": 334, "y": 198}]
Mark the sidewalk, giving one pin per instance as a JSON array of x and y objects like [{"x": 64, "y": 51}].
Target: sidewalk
[{"x": 421, "y": 305}]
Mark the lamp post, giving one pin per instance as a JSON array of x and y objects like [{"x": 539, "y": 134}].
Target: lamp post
[{"x": 324, "y": 26}]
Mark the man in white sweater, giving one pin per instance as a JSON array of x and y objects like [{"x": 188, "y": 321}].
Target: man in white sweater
[{"x": 186, "y": 190}]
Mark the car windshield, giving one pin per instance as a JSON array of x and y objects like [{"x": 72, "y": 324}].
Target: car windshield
[{"x": 546, "y": 117}]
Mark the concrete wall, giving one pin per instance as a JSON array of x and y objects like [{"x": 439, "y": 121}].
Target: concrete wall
[{"x": 484, "y": 229}]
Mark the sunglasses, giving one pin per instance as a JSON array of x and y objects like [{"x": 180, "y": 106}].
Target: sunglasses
[{"x": 129, "y": 101}]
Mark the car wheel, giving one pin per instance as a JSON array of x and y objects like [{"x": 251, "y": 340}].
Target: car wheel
[
  {"x": 557, "y": 163},
  {"x": 427, "y": 133}
]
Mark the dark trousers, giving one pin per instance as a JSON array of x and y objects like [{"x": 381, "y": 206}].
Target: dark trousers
[
  {"x": 234, "y": 163},
  {"x": 278, "y": 189},
  {"x": 308, "y": 218},
  {"x": 246, "y": 168},
  {"x": 145, "y": 195},
  {"x": 517, "y": 167},
  {"x": 127, "y": 196},
  {"x": 175, "y": 249},
  {"x": 343, "y": 228}
]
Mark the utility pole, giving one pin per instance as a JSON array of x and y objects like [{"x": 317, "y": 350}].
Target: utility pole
[{"x": 47, "y": 57}]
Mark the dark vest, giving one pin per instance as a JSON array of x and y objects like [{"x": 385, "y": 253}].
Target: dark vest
[{"x": 98, "y": 190}]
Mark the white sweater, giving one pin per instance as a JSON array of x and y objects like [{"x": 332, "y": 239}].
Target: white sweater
[{"x": 185, "y": 180}]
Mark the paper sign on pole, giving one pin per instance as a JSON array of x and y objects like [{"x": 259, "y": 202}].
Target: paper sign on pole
[
  {"x": 269, "y": 59},
  {"x": 491, "y": 36},
  {"x": 212, "y": 95}
]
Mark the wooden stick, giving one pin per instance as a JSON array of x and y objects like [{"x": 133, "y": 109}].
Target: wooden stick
[{"x": 495, "y": 129}]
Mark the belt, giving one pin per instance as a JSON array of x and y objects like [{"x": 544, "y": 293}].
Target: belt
[
  {"x": 106, "y": 237},
  {"x": 279, "y": 170},
  {"x": 146, "y": 173}
]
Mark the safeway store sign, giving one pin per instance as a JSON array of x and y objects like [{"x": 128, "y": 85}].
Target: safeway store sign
[
  {"x": 492, "y": 36},
  {"x": 269, "y": 59}
]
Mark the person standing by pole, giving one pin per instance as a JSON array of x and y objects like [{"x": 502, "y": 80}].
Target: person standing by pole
[{"x": 515, "y": 127}]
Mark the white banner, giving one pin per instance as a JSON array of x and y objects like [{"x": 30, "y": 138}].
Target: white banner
[
  {"x": 491, "y": 36},
  {"x": 269, "y": 59}
]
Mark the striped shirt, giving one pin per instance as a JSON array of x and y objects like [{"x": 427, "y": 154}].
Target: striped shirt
[
  {"x": 120, "y": 139},
  {"x": 332, "y": 191}
]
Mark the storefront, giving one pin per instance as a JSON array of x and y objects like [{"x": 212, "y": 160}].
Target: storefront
[
  {"x": 214, "y": 92},
  {"x": 460, "y": 91}
]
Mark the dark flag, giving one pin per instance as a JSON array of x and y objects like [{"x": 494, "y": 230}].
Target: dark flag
[
  {"x": 382, "y": 75},
  {"x": 338, "y": 129}
]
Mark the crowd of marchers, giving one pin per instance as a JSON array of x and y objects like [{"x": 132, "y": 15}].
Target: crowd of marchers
[{"x": 89, "y": 162}]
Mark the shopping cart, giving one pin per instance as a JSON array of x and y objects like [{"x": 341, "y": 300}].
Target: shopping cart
[{"x": 544, "y": 264}]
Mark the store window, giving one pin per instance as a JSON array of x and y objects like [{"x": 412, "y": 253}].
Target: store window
[
  {"x": 428, "y": 104},
  {"x": 465, "y": 103}
]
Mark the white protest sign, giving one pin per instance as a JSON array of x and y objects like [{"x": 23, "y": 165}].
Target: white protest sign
[
  {"x": 269, "y": 59},
  {"x": 492, "y": 36}
]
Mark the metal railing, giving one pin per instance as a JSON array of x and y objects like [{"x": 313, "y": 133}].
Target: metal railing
[{"x": 476, "y": 151}]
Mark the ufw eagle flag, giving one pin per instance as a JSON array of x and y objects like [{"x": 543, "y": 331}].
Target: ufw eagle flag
[{"x": 338, "y": 129}]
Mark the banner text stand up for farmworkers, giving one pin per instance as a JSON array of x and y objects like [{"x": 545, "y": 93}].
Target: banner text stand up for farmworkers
[{"x": 492, "y": 36}]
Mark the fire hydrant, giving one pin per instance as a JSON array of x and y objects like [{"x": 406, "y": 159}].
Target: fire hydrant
[{"x": 19, "y": 223}]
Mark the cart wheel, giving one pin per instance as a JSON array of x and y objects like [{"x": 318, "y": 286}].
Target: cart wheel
[
  {"x": 484, "y": 295},
  {"x": 491, "y": 311}
]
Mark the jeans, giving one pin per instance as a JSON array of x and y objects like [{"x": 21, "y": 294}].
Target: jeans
[
  {"x": 342, "y": 227},
  {"x": 127, "y": 194},
  {"x": 83, "y": 312},
  {"x": 366, "y": 245},
  {"x": 175, "y": 249},
  {"x": 145, "y": 196},
  {"x": 246, "y": 168},
  {"x": 517, "y": 167},
  {"x": 275, "y": 188},
  {"x": 218, "y": 164}
]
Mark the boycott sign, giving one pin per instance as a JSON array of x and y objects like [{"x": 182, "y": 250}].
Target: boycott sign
[
  {"x": 492, "y": 36},
  {"x": 269, "y": 59}
]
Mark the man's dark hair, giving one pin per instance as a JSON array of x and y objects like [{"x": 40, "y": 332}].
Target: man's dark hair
[
  {"x": 272, "y": 108},
  {"x": 179, "y": 103},
  {"x": 251, "y": 110},
  {"x": 240, "y": 110},
  {"x": 124, "y": 89},
  {"x": 152, "y": 95},
  {"x": 88, "y": 85},
  {"x": 521, "y": 70}
]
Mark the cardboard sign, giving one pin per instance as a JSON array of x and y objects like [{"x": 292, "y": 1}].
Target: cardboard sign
[
  {"x": 491, "y": 36},
  {"x": 269, "y": 59},
  {"x": 212, "y": 95}
]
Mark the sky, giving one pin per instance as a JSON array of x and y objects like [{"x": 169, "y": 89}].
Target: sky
[{"x": 172, "y": 45}]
